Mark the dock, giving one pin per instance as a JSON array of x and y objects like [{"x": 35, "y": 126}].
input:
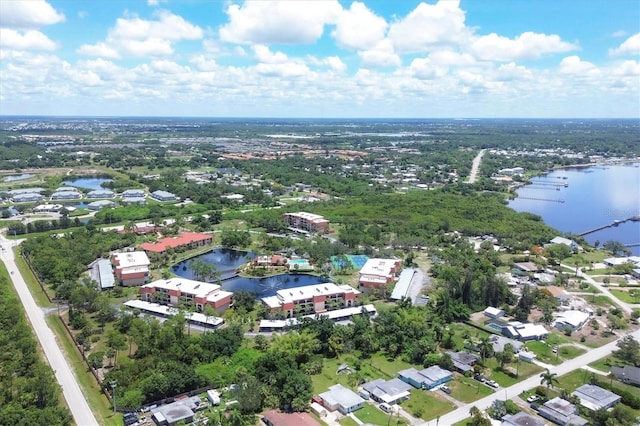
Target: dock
[
  {"x": 609, "y": 225},
  {"x": 554, "y": 200}
]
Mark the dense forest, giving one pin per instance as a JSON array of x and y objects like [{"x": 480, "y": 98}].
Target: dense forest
[{"x": 29, "y": 393}]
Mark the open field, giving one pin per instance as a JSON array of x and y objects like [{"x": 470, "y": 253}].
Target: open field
[{"x": 427, "y": 405}]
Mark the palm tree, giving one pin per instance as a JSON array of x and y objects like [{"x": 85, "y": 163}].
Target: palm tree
[
  {"x": 548, "y": 378},
  {"x": 485, "y": 346}
]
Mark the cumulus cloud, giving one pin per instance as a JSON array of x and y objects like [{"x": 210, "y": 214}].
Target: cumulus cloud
[
  {"x": 133, "y": 36},
  {"x": 381, "y": 55},
  {"x": 630, "y": 46},
  {"x": 28, "y": 14},
  {"x": 573, "y": 65},
  {"x": 359, "y": 28},
  {"x": 527, "y": 45},
  {"x": 279, "y": 22},
  {"x": 27, "y": 40},
  {"x": 428, "y": 26}
]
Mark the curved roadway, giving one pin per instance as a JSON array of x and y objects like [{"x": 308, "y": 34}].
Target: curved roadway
[{"x": 76, "y": 401}]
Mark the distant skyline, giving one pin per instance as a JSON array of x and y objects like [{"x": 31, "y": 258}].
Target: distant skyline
[{"x": 321, "y": 58}]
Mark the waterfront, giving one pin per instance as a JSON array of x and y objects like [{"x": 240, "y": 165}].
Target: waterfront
[{"x": 594, "y": 197}]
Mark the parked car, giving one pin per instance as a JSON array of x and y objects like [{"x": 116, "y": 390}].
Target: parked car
[
  {"x": 493, "y": 383},
  {"x": 385, "y": 407},
  {"x": 445, "y": 389},
  {"x": 480, "y": 378},
  {"x": 533, "y": 398}
]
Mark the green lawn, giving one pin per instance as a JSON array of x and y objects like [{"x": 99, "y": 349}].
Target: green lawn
[
  {"x": 524, "y": 370},
  {"x": 625, "y": 296},
  {"x": 589, "y": 289},
  {"x": 466, "y": 389},
  {"x": 570, "y": 352},
  {"x": 348, "y": 421},
  {"x": 602, "y": 301},
  {"x": 427, "y": 405},
  {"x": 34, "y": 287},
  {"x": 604, "y": 364},
  {"x": 573, "y": 380},
  {"x": 543, "y": 352},
  {"x": 372, "y": 414},
  {"x": 464, "y": 422}
]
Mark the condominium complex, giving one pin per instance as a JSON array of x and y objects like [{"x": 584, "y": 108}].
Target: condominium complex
[
  {"x": 181, "y": 291},
  {"x": 312, "y": 299},
  {"x": 377, "y": 273},
  {"x": 131, "y": 268},
  {"x": 306, "y": 222}
]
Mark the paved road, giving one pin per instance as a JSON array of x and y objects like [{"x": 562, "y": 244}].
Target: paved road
[
  {"x": 71, "y": 390},
  {"x": 626, "y": 307},
  {"x": 533, "y": 381},
  {"x": 475, "y": 166}
]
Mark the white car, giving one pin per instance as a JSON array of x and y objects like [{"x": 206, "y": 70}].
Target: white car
[
  {"x": 533, "y": 398},
  {"x": 493, "y": 383}
]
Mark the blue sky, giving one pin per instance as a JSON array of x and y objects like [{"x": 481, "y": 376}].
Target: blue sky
[{"x": 321, "y": 58}]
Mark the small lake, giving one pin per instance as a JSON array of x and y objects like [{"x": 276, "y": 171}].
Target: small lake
[
  {"x": 13, "y": 178},
  {"x": 87, "y": 183},
  {"x": 228, "y": 260}
]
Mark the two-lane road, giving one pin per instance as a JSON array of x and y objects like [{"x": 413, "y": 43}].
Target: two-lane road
[{"x": 70, "y": 389}]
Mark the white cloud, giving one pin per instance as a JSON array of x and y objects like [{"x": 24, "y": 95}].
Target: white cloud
[
  {"x": 133, "y": 36},
  {"x": 203, "y": 64},
  {"x": 381, "y": 55},
  {"x": 283, "y": 22},
  {"x": 265, "y": 55},
  {"x": 155, "y": 2},
  {"x": 359, "y": 28},
  {"x": 28, "y": 14},
  {"x": 627, "y": 69},
  {"x": 630, "y": 46},
  {"x": 573, "y": 65},
  {"x": 336, "y": 64},
  {"x": 619, "y": 33},
  {"x": 512, "y": 72},
  {"x": 527, "y": 45},
  {"x": 428, "y": 26},
  {"x": 27, "y": 40}
]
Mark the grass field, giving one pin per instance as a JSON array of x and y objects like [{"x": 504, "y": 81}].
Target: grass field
[
  {"x": 348, "y": 421},
  {"x": 373, "y": 415},
  {"x": 626, "y": 296},
  {"x": 524, "y": 370},
  {"x": 427, "y": 405},
  {"x": 466, "y": 389},
  {"x": 602, "y": 301}
]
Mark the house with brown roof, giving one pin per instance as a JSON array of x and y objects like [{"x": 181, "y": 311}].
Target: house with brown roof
[{"x": 186, "y": 240}]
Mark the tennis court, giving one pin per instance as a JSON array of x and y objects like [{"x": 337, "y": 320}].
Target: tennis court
[{"x": 356, "y": 261}]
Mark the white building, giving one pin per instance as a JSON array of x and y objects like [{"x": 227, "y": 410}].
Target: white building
[{"x": 571, "y": 319}]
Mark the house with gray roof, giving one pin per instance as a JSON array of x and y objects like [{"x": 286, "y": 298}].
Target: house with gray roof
[
  {"x": 562, "y": 412},
  {"x": 499, "y": 342},
  {"x": 390, "y": 391},
  {"x": 428, "y": 378},
  {"x": 101, "y": 193},
  {"x": 627, "y": 374},
  {"x": 160, "y": 195},
  {"x": 463, "y": 361},
  {"x": 26, "y": 197},
  {"x": 521, "y": 419},
  {"x": 594, "y": 397},
  {"x": 342, "y": 399}
]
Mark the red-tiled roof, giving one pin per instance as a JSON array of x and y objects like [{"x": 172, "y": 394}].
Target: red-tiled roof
[
  {"x": 183, "y": 239},
  {"x": 289, "y": 419}
]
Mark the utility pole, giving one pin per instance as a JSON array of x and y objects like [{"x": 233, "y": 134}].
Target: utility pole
[{"x": 114, "y": 385}]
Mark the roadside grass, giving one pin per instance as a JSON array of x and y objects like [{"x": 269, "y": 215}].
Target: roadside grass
[
  {"x": 465, "y": 422},
  {"x": 573, "y": 380},
  {"x": 34, "y": 288},
  {"x": 99, "y": 404},
  {"x": 595, "y": 256},
  {"x": 626, "y": 296},
  {"x": 570, "y": 352},
  {"x": 589, "y": 289},
  {"x": 604, "y": 364},
  {"x": 543, "y": 352},
  {"x": 602, "y": 301},
  {"x": 426, "y": 405},
  {"x": 466, "y": 389},
  {"x": 524, "y": 369}
]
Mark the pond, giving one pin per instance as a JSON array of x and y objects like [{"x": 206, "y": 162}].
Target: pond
[
  {"x": 87, "y": 183},
  {"x": 13, "y": 178},
  {"x": 228, "y": 260}
]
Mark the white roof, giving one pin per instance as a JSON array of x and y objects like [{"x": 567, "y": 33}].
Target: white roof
[
  {"x": 167, "y": 311},
  {"x": 529, "y": 330},
  {"x": 573, "y": 318},
  {"x": 562, "y": 240},
  {"x": 378, "y": 267},
  {"x": 309, "y": 291},
  {"x": 308, "y": 216},
  {"x": 493, "y": 311},
  {"x": 332, "y": 315},
  {"x": 132, "y": 258},
  {"x": 339, "y": 395},
  {"x": 212, "y": 292}
]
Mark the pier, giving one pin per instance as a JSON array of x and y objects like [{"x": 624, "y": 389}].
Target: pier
[
  {"x": 554, "y": 200},
  {"x": 614, "y": 223}
]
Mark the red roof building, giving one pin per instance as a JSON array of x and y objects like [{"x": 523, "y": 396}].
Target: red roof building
[
  {"x": 275, "y": 418},
  {"x": 186, "y": 239}
]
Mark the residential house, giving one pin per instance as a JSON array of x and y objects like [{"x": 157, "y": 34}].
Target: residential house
[
  {"x": 184, "y": 240},
  {"x": 561, "y": 412},
  {"x": 26, "y": 197},
  {"x": 181, "y": 291},
  {"x": 391, "y": 391},
  {"x": 161, "y": 195},
  {"x": 627, "y": 374},
  {"x": 557, "y": 293},
  {"x": 566, "y": 241},
  {"x": 525, "y": 332},
  {"x": 131, "y": 268},
  {"x": 276, "y": 418},
  {"x": 375, "y": 274},
  {"x": 312, "y": 299},
  {"x": 526, "y": 268},
  {"x": 342, "y": 399},
  {"x": 594, "y": 397},
  {"x": 66, "y": 193},
  {"x": 463, "y": 361},
  {"x": 101, "y": 193},
  {"x": 492, "y": 312},
  {"x": 102, "y": 273},
  {"x": 182, "y": 410},
  {"x": 571, "y": 319},
  {"x": 521, "y": 419},
  {"x": 428, "y": 378},
  {"x": 499, "y": 342},
  {"x": 133, "y": 196},
  {"x": 270, "y": 325},
  {"x": 401, "y": 289},
  {"x": 101, "y": 204},
  {"x": 306, "y": 222}
]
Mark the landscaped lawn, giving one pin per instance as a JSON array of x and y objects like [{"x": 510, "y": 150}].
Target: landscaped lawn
[
  {"x": 466, "y": 389},
  {"x": 570, "y": 352},
  {"x": 524, "y": 369},
  {"x": 603, "y": 301},
  {"x": 604, "y": 364},
  {"x": 625, "y": 295},
  {"x": 573, "y": 380},
  {"x": 348, "y": 421},
  {"x": 427, "y": 405},
  {"x": 543, "y": 352},
  {"x": 372, "y": 414}
]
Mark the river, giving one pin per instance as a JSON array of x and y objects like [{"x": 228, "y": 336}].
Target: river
[{"x": 594, "y": 196}]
